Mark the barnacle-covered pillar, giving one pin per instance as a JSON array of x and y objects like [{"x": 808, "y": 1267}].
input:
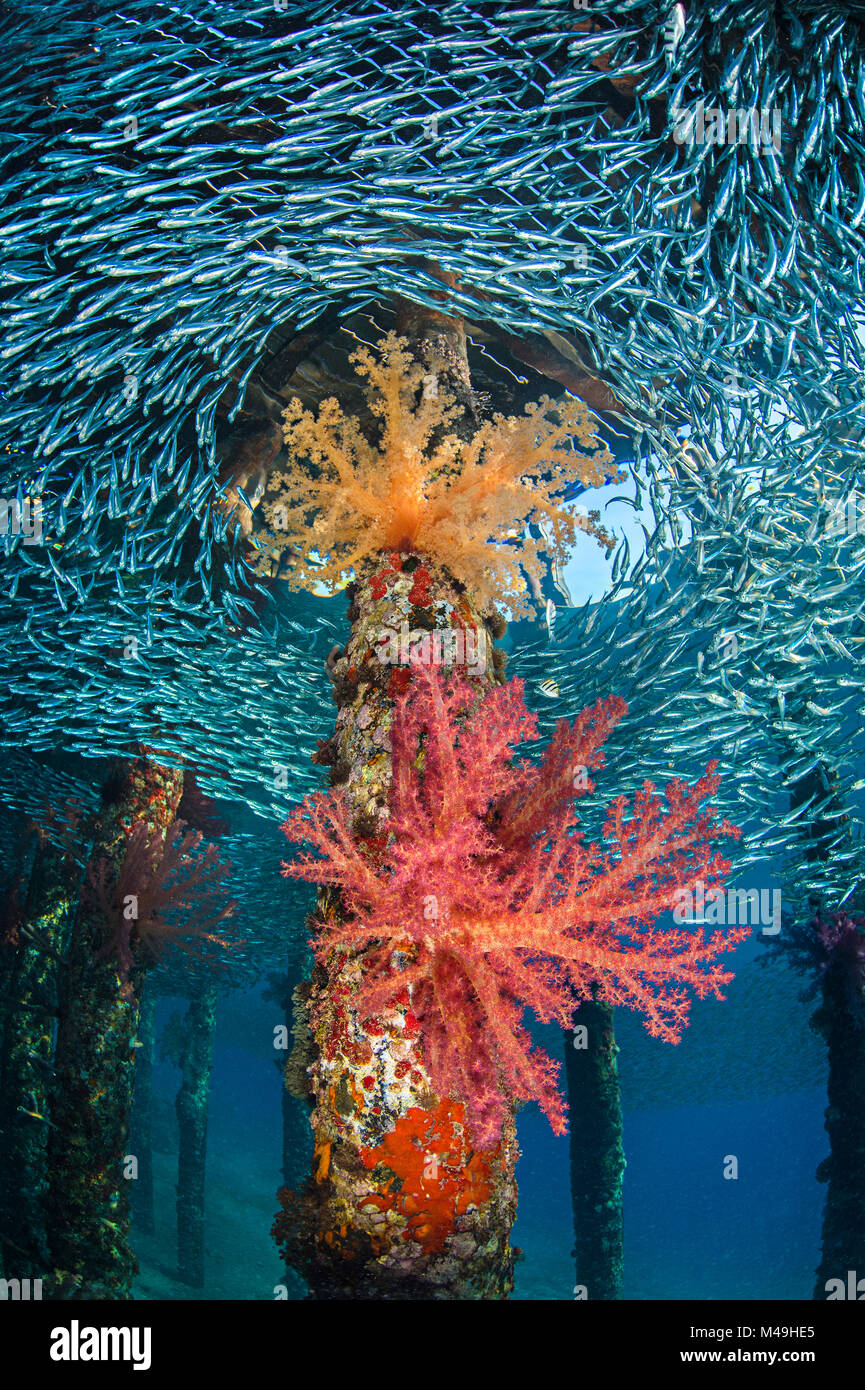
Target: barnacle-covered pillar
[
  {"x": 193, "y": 1097},
  {"x": 87, "y": 1202},
  {"x": 25, "y": 1063},
  {"x": 399, "y": 1205},
  {"x": 841, "y": 1020},
  {"x": 597, "y": 1156},
  {"x": 141, "y": 1119}
]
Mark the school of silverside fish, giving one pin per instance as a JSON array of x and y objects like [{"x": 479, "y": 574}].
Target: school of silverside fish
[{"x": 179, "y": 184}]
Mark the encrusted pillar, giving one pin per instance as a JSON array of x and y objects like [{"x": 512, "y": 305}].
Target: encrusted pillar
[
  {"x": 597, "y": 1156},
  {"x": 141, "y": 1120},
  {"x": 87, "y": 1202},
  {"x": 192, "y": 1103},
  {"x": 840, "y": 1020},
  {"x": 399, "y": 1205},
  {"x": 26, "y": 1061}
]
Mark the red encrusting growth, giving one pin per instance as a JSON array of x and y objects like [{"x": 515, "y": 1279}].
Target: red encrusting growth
[
  {"x": 486, "y": 898},
  {"x": 419, "y": 592},
  {"x": 398, "y": 682},
  {"x": 429, "y": 1173}
]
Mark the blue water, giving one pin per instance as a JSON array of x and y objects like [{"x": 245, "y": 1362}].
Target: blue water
[{"x": 690, "y": 1232}]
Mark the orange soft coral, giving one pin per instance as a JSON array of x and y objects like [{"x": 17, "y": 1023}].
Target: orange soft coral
[{"x": 465, "y": 503}]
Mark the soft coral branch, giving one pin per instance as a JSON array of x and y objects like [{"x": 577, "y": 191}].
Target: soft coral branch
[
  {"x": 464, "y": 503},
  {"x": 486, "y": 899},
  {"x": 165, "y": 889}
]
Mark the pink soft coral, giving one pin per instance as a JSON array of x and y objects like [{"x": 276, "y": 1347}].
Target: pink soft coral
[
  {"x": 164, "y": 889},
  {"x": 486, "y": 899}
]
